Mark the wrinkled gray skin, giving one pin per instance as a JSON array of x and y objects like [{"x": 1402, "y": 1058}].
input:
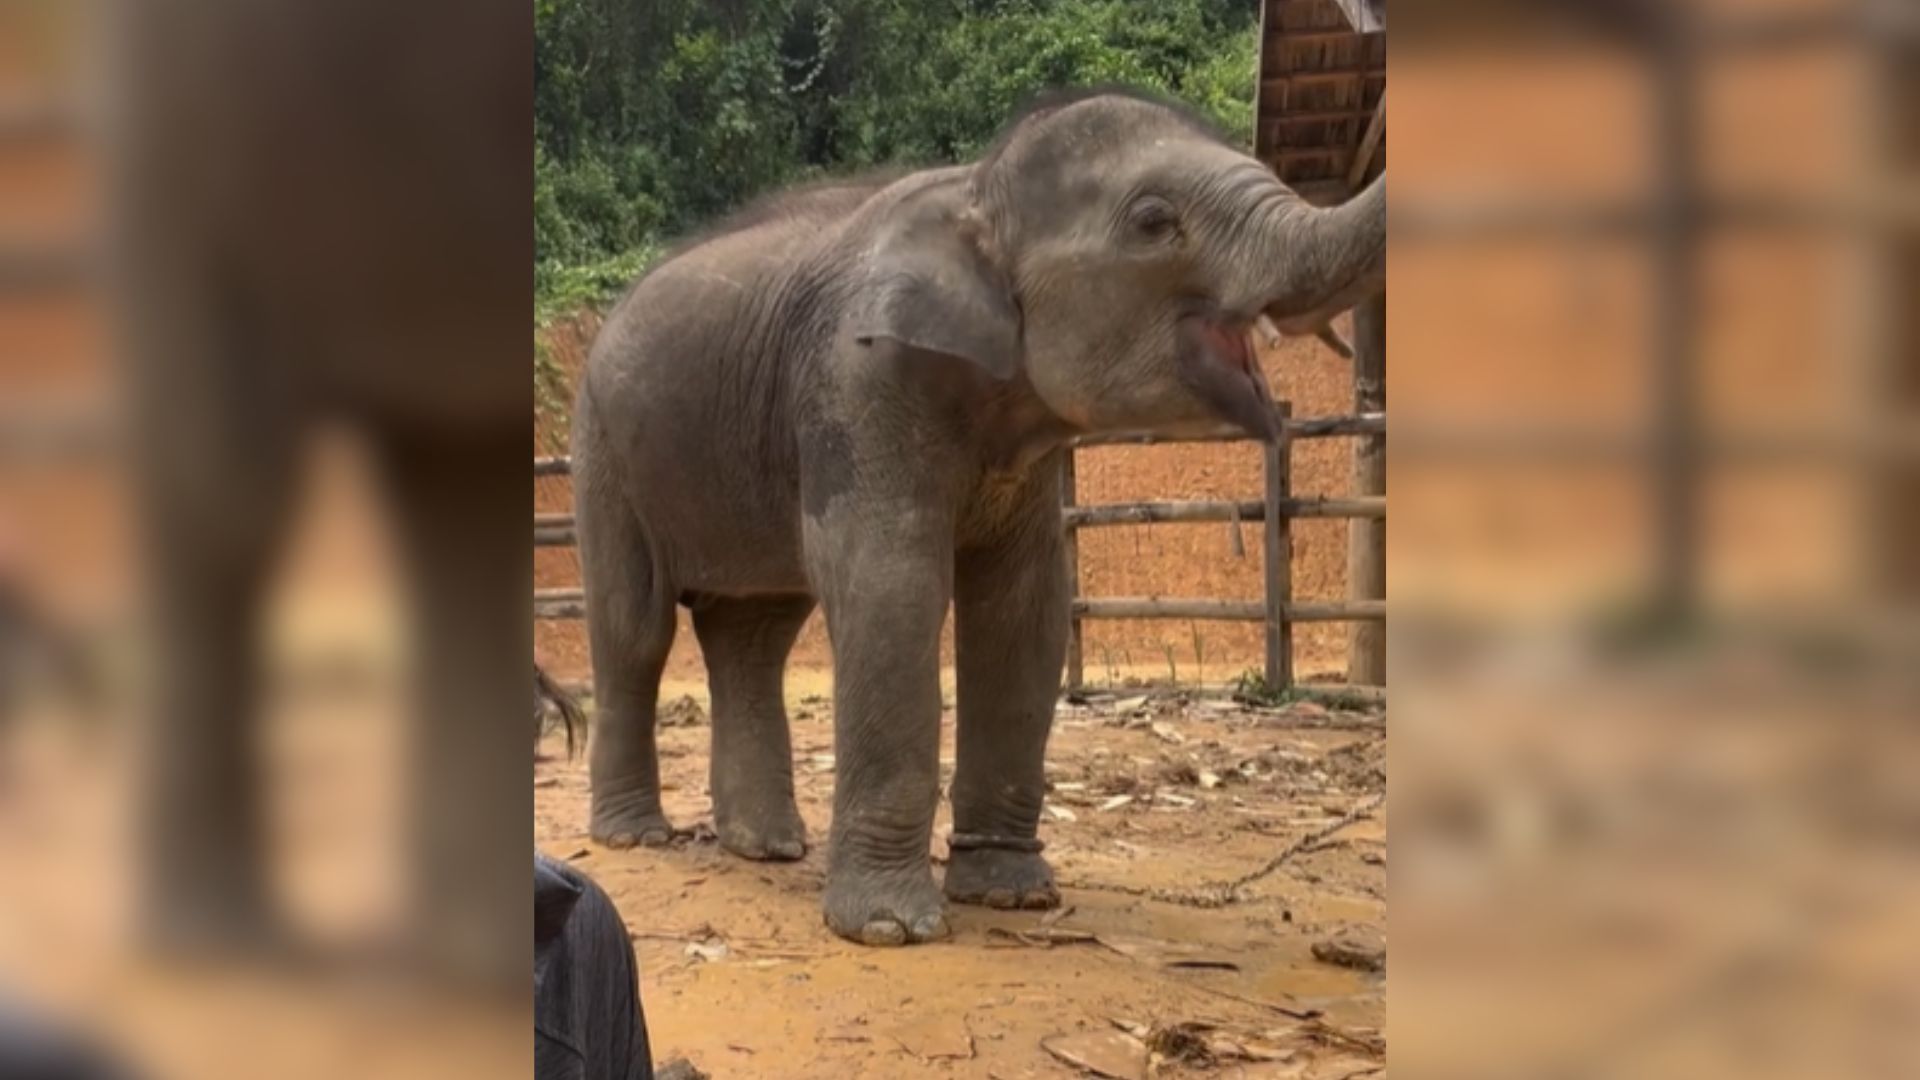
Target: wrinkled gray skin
[{"x": 857, "y": 395}]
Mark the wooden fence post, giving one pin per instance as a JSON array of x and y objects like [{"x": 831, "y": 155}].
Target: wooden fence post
[
  {"x": 1890, "y": 377},
  {"x": 1278, "y": 568},
  {"x": 1675, "y": 482},
  {"x": 1076, "y": 649}
]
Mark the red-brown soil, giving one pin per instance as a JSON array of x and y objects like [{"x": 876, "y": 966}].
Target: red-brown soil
[{"x": 720, "y": 937}]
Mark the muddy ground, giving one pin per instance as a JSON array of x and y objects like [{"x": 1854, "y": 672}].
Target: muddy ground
[{"x": 1154, "y": 962}]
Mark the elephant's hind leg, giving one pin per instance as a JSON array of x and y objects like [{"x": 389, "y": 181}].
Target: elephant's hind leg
[
  {"x": 745, "y": 643},
  {"x": 630, "y": 627}
]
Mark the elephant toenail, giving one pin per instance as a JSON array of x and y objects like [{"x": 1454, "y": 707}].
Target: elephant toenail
[
  {"x": 883, "y": 932},
  {"x": 930, "y": 928},
  {"x": 1000, "y": 898},
  {"x": 1040, "y": 900}
]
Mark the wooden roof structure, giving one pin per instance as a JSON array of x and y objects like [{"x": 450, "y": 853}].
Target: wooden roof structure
[{"x": 1320, "y": 113}]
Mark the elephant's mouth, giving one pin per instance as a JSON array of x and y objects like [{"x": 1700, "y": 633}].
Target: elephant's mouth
[{"x": 1218, "y": 360}]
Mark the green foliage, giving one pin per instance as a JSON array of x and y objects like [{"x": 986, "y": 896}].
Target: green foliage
[
  {"x": 651, "y": 118},
  {"x": 1252, "y": 688},
  {"x": 563, "y": 290}
]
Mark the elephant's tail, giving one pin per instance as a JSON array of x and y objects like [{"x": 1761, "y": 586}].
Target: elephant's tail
[{"x": 572, "y": 717}]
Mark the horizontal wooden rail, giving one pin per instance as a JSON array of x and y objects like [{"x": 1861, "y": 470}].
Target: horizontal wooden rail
[
  {"x": 559, "y": 603},
  {"x": 1575, "y": 442},
  {"x": 1313, "y": 427},
  {"x": 1338, "y": 611},
  {"x": 1314, "y": 77},
  {"x": 1319, "y": 427},
  {"x": 1325, "y": 116},
  {"x": 1524, "y": 216},
  {"x": 553, "y": 530},
  {"x": 1251, "y": 510},
  {"x": 1082, "y": 517},
  {"x": 1800, "y": 29},
  {"x": 1141, "y": 607},
  {"x": 1333, "y": 427},
  {"x": 1153, "y": 607},
  {"x": 1280, "y": 36},
  {"x": 557, "y": 530},
  {"x": 1317, "y": 506}
]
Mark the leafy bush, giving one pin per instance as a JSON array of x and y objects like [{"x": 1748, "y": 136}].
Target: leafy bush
[{"x": 650, "y": 118}]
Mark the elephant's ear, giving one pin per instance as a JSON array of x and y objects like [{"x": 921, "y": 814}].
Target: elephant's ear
[{"x": 930, "y": 285}]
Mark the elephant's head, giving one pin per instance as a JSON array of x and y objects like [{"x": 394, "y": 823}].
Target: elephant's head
[{"x": 1115, "y": 254}]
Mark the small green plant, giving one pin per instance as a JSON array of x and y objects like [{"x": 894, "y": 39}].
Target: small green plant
[
  {"x": 1252, "y": 688},
  {"x": 1199, "y": 654},
  {"x": 1173, "y": 670}
]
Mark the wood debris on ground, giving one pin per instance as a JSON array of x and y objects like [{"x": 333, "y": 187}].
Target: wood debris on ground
[
  {"x": 1275, "y": 815},
  {"x": 1349, "y": 952},
  {"x": 1116, "y": 1055}
]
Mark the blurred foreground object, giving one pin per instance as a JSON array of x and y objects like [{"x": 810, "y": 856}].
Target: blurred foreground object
[
  {"x": 1656, "y": 548},
  {"x": 32, "y": 1048},
  {"x": 318, "y": 219}
]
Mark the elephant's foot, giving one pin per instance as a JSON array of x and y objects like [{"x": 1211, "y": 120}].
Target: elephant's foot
[
  {"x": 890, "y": 908},
  {"x": 626, "y": 826},
  {"x": 999, "y": 878},
  {"x": 768, "y": 834}
]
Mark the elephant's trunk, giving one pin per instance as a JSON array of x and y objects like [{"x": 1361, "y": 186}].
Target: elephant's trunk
[{"x": 1316, "y": 263}]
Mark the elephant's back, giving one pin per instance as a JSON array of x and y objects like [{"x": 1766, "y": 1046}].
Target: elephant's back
[
  {"x": 705, "y": 339},
  {"x": 690, "y": 384}
]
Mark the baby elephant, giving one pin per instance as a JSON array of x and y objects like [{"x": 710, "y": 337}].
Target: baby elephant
[{"x": 858, "y": 395}]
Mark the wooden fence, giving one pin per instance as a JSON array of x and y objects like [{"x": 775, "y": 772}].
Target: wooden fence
[{"x": 1276, "y": 511}]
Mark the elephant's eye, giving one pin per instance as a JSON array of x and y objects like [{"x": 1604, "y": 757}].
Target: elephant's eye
[{"x": 1153, "y": 218}]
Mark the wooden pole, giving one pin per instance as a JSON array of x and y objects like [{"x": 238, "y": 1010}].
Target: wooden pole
[
  {"x": 1076, "y": 645},
  {"x": 1676, "y": 459},
  {"x": 1260, "y": 71},
  {"x": 1367, "y": 539},
  {"x": 1278, "y": 560},
  {"x": 1890, "y": 342}
]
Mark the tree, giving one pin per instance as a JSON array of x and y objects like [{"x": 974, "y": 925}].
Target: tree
[{"x": 651, "y": 118}]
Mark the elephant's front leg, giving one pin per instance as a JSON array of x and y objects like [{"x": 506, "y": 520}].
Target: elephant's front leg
[
  {"x": 884, "y": 576},
  {"x": 1010, "y": 623}
]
